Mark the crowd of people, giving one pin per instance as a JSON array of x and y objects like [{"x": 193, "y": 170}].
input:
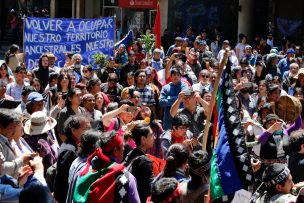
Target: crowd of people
[{"x": 132, "y": 131}]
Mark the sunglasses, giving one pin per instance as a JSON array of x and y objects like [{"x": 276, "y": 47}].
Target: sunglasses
[{"x": 205, "y": 76}]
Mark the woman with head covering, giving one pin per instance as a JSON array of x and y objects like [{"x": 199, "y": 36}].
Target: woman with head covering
[{"x": 39, "y": 135}]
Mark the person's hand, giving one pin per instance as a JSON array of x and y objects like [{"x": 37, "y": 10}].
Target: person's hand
[
  {"x": 24, "y": 173},
  {"x": 255, "y": 164},
  {"x": 123, "y": 108},
  {"x": 173, "y": 56},
  {"x": 61, "y": 102},
  {"x": 27, "y": 157},
  {"x": 197, "y": 96},
  {"x": 181, "y": 95},
  {"x": 188, "y": 143},
  {"x": 36, "y": 164},
  {"x": 194, "y": 141},
  {"x": 239, "y": 86},
  {"x": 276, "y": 126},
  {"x": 2, "y": 158}
]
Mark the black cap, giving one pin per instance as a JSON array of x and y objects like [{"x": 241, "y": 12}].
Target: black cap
[
  {"x": 271, "y": 117},
  {"x": 9, "y": 104}
]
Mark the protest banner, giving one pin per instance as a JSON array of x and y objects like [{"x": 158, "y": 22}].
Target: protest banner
[{"x": 58, "y": 36}]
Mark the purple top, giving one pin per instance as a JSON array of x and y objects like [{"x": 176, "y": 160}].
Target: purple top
[
  {"x": 132, "y": 193},
  {"x": 295, "y": 126}
]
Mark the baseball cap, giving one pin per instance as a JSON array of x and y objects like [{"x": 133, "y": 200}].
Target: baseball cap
[
  {"x": 290, "y": 51},
  {"x": 203, "y": 42},
  {"x": 35, "y": 96}
]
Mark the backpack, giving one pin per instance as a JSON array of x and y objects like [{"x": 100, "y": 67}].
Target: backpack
[{"x": 157, "y": 164}]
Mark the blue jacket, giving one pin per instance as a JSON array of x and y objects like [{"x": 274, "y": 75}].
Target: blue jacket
[{"x": 168, "y": 96}]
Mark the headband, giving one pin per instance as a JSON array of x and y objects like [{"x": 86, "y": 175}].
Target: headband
[
  {"x": 115, "y": 142},
  {"x": 279, "y": 178}
]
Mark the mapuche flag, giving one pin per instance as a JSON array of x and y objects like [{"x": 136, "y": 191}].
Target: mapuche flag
[
  {"x": 230, "y": 167},
  {"x": 157, "y": 28}
]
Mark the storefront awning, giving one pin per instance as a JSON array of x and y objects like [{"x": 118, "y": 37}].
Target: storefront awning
[{"x": 137, "y": 3}]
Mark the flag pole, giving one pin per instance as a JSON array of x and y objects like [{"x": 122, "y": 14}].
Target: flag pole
[{"x": 213, "y": 97}]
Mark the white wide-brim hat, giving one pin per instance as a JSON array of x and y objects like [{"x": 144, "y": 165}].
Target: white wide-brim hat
[{"x": 39, "y": 123}]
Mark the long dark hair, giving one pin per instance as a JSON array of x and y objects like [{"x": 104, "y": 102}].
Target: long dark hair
[
  {"x": 60, "y": 78},
  {"x": 177, "y": 155},
  {"x": 6, "y": 68},
  {"x": 71, "y": 93}
]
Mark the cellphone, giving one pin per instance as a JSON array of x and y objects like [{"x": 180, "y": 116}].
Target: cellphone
[
  {"x": 131, "y": 109},
  {"x": 189, "y": 93},
  {"x": 247, "y": 84},
  {"x": 64, "y": 95}
]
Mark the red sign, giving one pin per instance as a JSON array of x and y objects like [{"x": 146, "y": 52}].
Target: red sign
[{"x": 137, "y": 3}]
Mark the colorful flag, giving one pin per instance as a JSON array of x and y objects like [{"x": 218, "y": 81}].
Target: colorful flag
[
  {"x": 157, "y": 28},
  {"x": 230, "y": 168},
  {"x": 127, "y": 40}
]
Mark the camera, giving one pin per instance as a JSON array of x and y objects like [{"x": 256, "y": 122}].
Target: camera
[
  {"x": 131, "y": 109},
  {"x": 189, "y": 93}
]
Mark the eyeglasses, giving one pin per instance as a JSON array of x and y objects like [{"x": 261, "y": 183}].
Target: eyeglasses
[
  {"x": 136, "y": 97},
  {"x": 113, "y": 80},
  {"x": 183, "y": 127},
  {"x": 205, "y": 76}
]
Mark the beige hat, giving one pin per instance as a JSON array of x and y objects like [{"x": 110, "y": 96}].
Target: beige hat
[{"x": 39, "y": 123}]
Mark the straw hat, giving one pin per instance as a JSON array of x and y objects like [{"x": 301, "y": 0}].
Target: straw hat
[{"x": 39, "y": 123}]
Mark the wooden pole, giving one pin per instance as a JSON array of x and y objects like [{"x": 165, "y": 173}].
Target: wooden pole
[{"x": 213, "y": 97}]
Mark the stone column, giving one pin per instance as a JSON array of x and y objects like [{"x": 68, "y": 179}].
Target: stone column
[
  {"x": 245, "y": 18},
  {"x": 77, "y": 9},
  {"x": 163, "y": 4},
  {"x": 73, "y": 8},
  {"x": 52, "y": 8}
]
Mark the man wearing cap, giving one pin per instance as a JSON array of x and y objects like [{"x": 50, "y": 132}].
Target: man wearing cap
[
  {"x": 178, "y": 43},
  {"x": 157, "y": 62},
  {"x": 88, "y": 101},
  {"x": 105, "y": 71},
  {"x": 276, "y": 186},
  {"x": 196, "y": 114},
  {"x": 104, "y": 179},
  {"x": 131, "y": 66},
  {"x": 14, "y": 89},
  {"x": 35, "y": 102},
  {"x": 52, "y": 60},
  {"x": 284, "y": 63}
]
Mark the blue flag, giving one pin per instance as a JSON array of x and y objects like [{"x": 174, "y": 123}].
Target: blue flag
[
  {"x": 127, "y": 40},
  {"x": 230, "y": 169}
]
